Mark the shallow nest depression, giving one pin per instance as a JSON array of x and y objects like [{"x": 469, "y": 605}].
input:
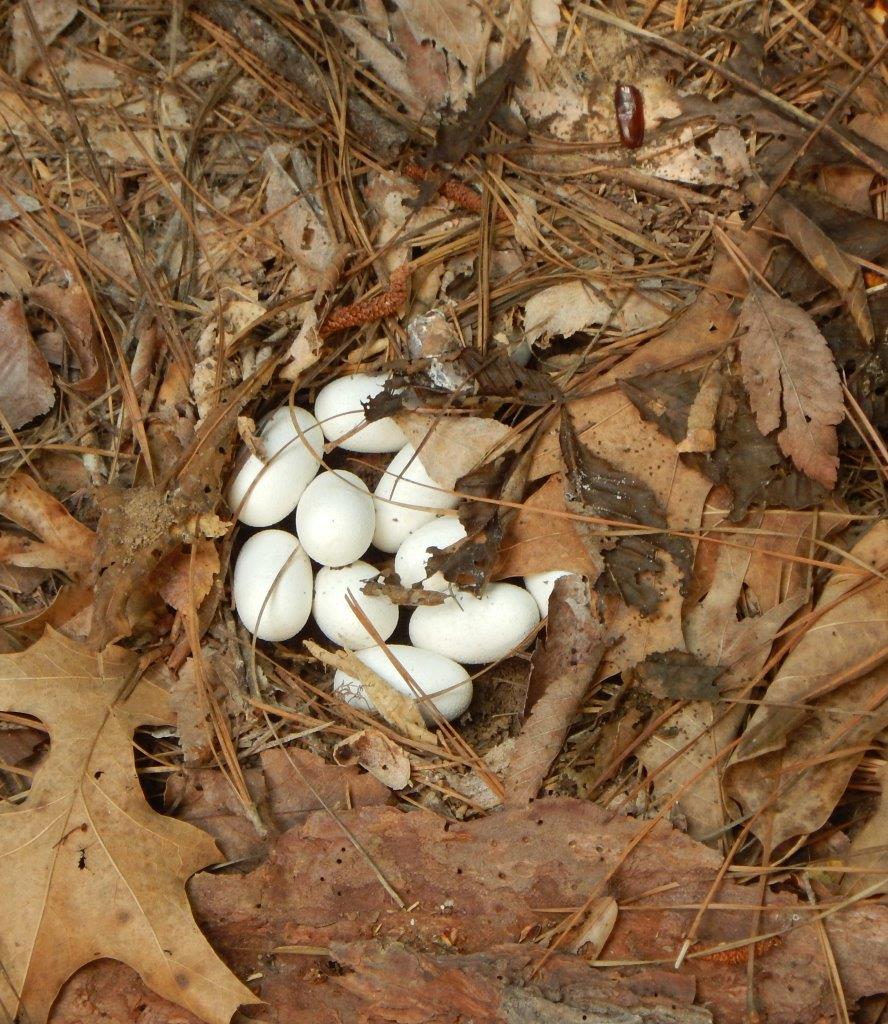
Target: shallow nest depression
[{"x": 623, "y": 270}]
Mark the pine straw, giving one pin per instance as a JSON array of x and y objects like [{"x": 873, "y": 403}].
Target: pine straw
[{"x": 170, "y": 234}]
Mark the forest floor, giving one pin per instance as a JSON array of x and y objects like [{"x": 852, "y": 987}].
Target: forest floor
[{"x": 625, "y": 267}]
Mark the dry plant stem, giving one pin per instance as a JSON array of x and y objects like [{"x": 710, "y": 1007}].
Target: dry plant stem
[
  {"x": 267, "y": 43},
  {"x": 861, "y": 149}
]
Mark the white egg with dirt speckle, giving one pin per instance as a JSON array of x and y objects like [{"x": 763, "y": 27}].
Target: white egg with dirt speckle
[
  {"x": 335, "y": 518},
  {"x": 336, "y": 619},
  {"x": 436, "y": 676},
  {"x": 271, "y": 585},
  {"x": 410, "y": 561},
  {"x": 477, "y": 630},
  {"x": 263, "y": 493},
  {"x": 406, "y": 498},
  {"x": 340, "y": 412},
  {"x": 541, "y": 585}
]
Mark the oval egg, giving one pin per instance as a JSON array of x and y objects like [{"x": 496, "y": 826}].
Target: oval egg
[
  {"x": 406, "y": 498},
  {"x": 541, "y": 584},
  {"x": 261, "y": 494},
  {"x": 340, "y": 413},
  {"x": 433, "y": 674},
  {"x": 271, "y": 585},
  {"x": 410, "y": 561},
  {"x": 334, "y": 617},
  {"x": 476, "y": 630},
  {"x": 335, "y": 518}
]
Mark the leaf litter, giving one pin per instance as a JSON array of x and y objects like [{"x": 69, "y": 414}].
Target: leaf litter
[{"x": 658, "y": 369}]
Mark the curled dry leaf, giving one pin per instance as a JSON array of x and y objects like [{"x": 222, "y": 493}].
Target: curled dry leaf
[
  {"x": 70, "y": 308},
  {"x": 26, "y": 388},
  {"x": 397, "y": 709},
  {"x": 377, "y": 754},
  {"x": 791, "y": 378},
  {"x": 89, "y": 870},
  {"x": 828, "y": 696},
  {"x": 563, "y": 668},
  {"x": 64, "y": 543}
]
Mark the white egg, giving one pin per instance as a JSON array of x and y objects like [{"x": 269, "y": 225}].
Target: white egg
[
  {"x": 410, "y": 561},
  {"x": 541, "y": 585},
  {"x": 333, "y": 615},
  {"x": 432, "y": 673},
  {"x": 262, "y": 494},
  {"x": 335, "y": 518},
  {"x": 475, "y": 630},
  {"x": 271, "y": 585},
  {"x": 339, "y": 410},
  {"x": 406, "y": 498}
]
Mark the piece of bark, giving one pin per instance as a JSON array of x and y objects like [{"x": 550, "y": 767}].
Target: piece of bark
[{"x": 265, "y": 41}]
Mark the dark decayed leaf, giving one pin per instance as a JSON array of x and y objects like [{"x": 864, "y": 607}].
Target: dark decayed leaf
[
  {"x": 469, "y": 563},
  {"x": 454, "y": 141},
  {"x": 391, "y": 587},
  {"x": 596, "y": 488},
  {"x": 751, "y": 464},
  {"x": 864, "y": 367},
  {"x": 679, "y": 675},
  {"x": 496, "y": 375},
  {"x": 563, "y": 668},
  {"x": 664, "y": 398}
]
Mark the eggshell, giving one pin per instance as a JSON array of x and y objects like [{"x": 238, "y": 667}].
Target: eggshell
[
  {"x": 335, "y": 518},
  {"x": 272, "y": 565},
  {"x": 333, "y": 615},
  {"x": 541, "y": 585},
  {"x": 261, "y": 495},
  {"x": 475, "y": 630},
  {"x": 406, "y": 498},
  {"x": 339, "y": 410},
  {"x": 410, "y": 561},
  {"x": 431, "y": 672}
]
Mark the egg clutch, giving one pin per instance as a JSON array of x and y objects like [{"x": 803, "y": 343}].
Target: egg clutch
[{"x": 330, "y": 520}]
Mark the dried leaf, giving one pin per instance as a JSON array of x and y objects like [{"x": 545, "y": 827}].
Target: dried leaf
[
  {"x": 396, "y": 708},
  {"x": 450, "y": 446},
  {"x": 822, "y": 253},
  {"x": 782, "y": 769},
  {"x": 185, "y": 578},
  {"x": 64, "y": 543},
  {"x": 90, "y": 870},
  {"x": 679, "y": 675},
  {"x": 449, "y": 24},
  {"x": 563, "y": 668},
  {"x": 599, "y": 489},
  {"x": 869, "y": 848},
  {"x": 377, "y": 754},
  {"x": 70, "y": 308},
  {"x": 26, "y": 388},
  {"x": 453, "y": 142},
  {"x": 789, "y": 373},
  {"x": 51, "y": 17}
]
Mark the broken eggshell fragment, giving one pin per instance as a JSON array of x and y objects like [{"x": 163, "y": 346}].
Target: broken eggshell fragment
[
  {"x": 477, "y": 630},
  {"x": 335, "y": 618},
  {"x": 434, "y": 674},
  {"x": 271, "y": 585},
  {"x": 410, "y": 561},
  {"x": 335, "y": 518},
  {"x": 406, "y": 498},
  {"x": 261, "y": 494},
  {"x": 339, "y": 409}
]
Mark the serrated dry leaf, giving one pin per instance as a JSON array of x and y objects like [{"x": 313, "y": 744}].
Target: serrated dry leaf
[
  {"x": 64, "y": 543},
  {"x": 782, "y": 772},
  {"x": 822, "y": 253},
  {"x": 185, "y": 578},
  {"x": 26, "y": 388},
  {"x": 789, "y": 373},
  {"x": 377, "y": 754},
  {"x": 90, "y": 871},
  {"x": 563, "y": 668},
  {"x": 451, "y": 24}
]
